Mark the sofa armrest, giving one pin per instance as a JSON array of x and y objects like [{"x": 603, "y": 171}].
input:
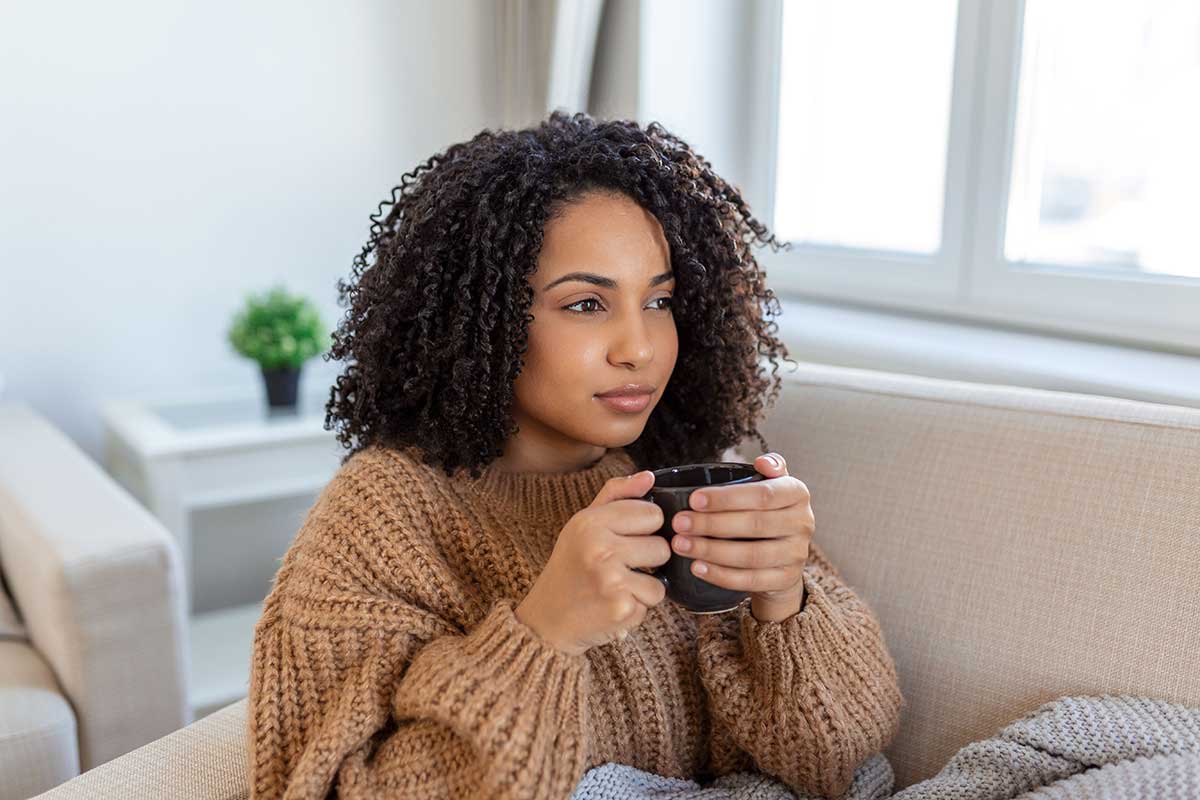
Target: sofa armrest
[
  {"x": 99, "y": 584},
  {"x": 204, "y": 761}
]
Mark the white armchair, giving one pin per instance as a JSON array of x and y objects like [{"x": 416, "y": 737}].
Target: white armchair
[{"x": 94, "y": 662}]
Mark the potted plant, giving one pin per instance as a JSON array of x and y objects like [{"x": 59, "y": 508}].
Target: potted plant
[{"x": 280, "y": 331}]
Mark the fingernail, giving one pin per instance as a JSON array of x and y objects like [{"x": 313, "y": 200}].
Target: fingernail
[
  {"x": 682, "y": 544},
  {"x": 683, "y": 522},
  {"x": 699, "y": 501},
  {"x": 700, "y": 567},
  {"x": 775, "y": 460}
]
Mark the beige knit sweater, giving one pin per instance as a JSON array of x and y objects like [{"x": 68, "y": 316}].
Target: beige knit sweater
[{"x": 388, "y": 662}]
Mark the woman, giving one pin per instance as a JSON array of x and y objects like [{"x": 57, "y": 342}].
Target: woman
[{"x": 462, "y": 613}]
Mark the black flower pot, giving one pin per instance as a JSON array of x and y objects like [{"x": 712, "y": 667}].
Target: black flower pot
[{"x": 282, "y": 386}]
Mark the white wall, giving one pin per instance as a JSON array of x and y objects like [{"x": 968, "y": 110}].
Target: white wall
[{"x": 162, "y": 158}]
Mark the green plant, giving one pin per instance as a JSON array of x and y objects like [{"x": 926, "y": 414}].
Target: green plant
[{"x": 279, "y": 330}]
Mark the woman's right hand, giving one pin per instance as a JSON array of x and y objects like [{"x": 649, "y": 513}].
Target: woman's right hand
[{"x": 587, "y": 594}]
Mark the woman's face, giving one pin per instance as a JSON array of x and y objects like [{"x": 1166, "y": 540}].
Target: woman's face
[{"x": 601, "y": 319}]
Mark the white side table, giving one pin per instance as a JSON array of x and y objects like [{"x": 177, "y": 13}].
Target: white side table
[{"x": 206, "y": 451}]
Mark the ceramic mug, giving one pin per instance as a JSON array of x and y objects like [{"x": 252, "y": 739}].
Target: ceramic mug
[{"x": 672, "y": 490}]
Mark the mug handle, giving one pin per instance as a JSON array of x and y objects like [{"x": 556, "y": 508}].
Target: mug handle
[{"x": 654, "y": 573}]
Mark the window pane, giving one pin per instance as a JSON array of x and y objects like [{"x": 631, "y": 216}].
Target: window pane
[
  {"x": 1105, "y": 161},
  {"x": 864, "y": 113}
]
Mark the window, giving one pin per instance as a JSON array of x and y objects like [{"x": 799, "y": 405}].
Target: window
[
  {"x": 862, "y": 123},
  {"x": 1106, "y": 166},
  {"x": 1031, "y": 163}
]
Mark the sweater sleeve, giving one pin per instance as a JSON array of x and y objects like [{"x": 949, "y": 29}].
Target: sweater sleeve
[
  {"x": 806, "y": 699},
  {"x": 362, "y": 689}
]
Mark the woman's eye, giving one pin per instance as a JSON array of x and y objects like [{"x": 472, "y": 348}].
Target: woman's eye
[
  {"x": 577, "y": 302},
  {"x": 572, "y": 309}
]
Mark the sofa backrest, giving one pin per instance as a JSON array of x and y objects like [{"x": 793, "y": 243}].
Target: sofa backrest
[{"x": 1018, "y": 545}]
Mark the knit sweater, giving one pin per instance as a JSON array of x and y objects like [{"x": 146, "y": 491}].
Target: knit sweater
[{"x": 388, "y": 661}]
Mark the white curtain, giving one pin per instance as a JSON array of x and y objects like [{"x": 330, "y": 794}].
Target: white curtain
[{"x": 545, "y": 52}]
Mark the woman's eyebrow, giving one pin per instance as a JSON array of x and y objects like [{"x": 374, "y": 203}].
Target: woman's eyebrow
[{"x": 600, "y": 280}]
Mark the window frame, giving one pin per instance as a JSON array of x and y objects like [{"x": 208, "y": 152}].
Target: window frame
[{"x": 968, "y": 278}]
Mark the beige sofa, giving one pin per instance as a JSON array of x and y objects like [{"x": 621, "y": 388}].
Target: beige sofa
[
  {"x": 1018, "y": 545},
  {"x": 92, "y": 631}
]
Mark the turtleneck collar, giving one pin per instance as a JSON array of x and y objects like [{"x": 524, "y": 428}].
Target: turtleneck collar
[{"x": 551, "y": 495}]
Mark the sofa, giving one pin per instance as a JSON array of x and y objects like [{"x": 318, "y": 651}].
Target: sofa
[
  {"x": 93, "y": 638},
  {"x": 1018, "y": 545}
]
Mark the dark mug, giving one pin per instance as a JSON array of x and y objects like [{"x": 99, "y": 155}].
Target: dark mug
[{"x": 672, "y": 490}]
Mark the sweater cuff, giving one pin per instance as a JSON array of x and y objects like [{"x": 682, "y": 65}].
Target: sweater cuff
[
  {"x": 517, "y": 698},
  {"x": 813, "y": 643},
  {"x": 794, "y": 691}
]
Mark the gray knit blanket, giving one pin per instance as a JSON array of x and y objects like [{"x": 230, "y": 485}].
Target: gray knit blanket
[{"x": 1095, "y": 747}]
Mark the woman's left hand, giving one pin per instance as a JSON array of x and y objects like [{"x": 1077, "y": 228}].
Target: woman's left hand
[{"x": 777, "y": 509}]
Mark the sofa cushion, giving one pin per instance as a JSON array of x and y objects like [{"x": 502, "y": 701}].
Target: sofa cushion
[
  {"x": 38, "y": 741},
  {"x": 1018, "y": 544},
  {"x": 206, "y": 760}
]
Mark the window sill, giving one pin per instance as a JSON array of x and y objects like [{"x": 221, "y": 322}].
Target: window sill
[{"x": 874, "y": 339}]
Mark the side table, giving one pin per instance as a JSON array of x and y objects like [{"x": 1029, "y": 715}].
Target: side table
[{"x": 215, "y": 450}]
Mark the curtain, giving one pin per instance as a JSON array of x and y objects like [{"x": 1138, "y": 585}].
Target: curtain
[{"x": 545, "y": 54}]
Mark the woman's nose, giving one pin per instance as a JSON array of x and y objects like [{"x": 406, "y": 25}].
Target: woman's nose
[{"x": 632, "y": 345}]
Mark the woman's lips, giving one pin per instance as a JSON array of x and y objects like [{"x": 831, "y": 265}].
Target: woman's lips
[{"x": 627, "y": 404}]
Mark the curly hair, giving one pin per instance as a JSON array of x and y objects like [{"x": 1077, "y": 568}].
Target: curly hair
[{"x": 436, "y": 326}]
